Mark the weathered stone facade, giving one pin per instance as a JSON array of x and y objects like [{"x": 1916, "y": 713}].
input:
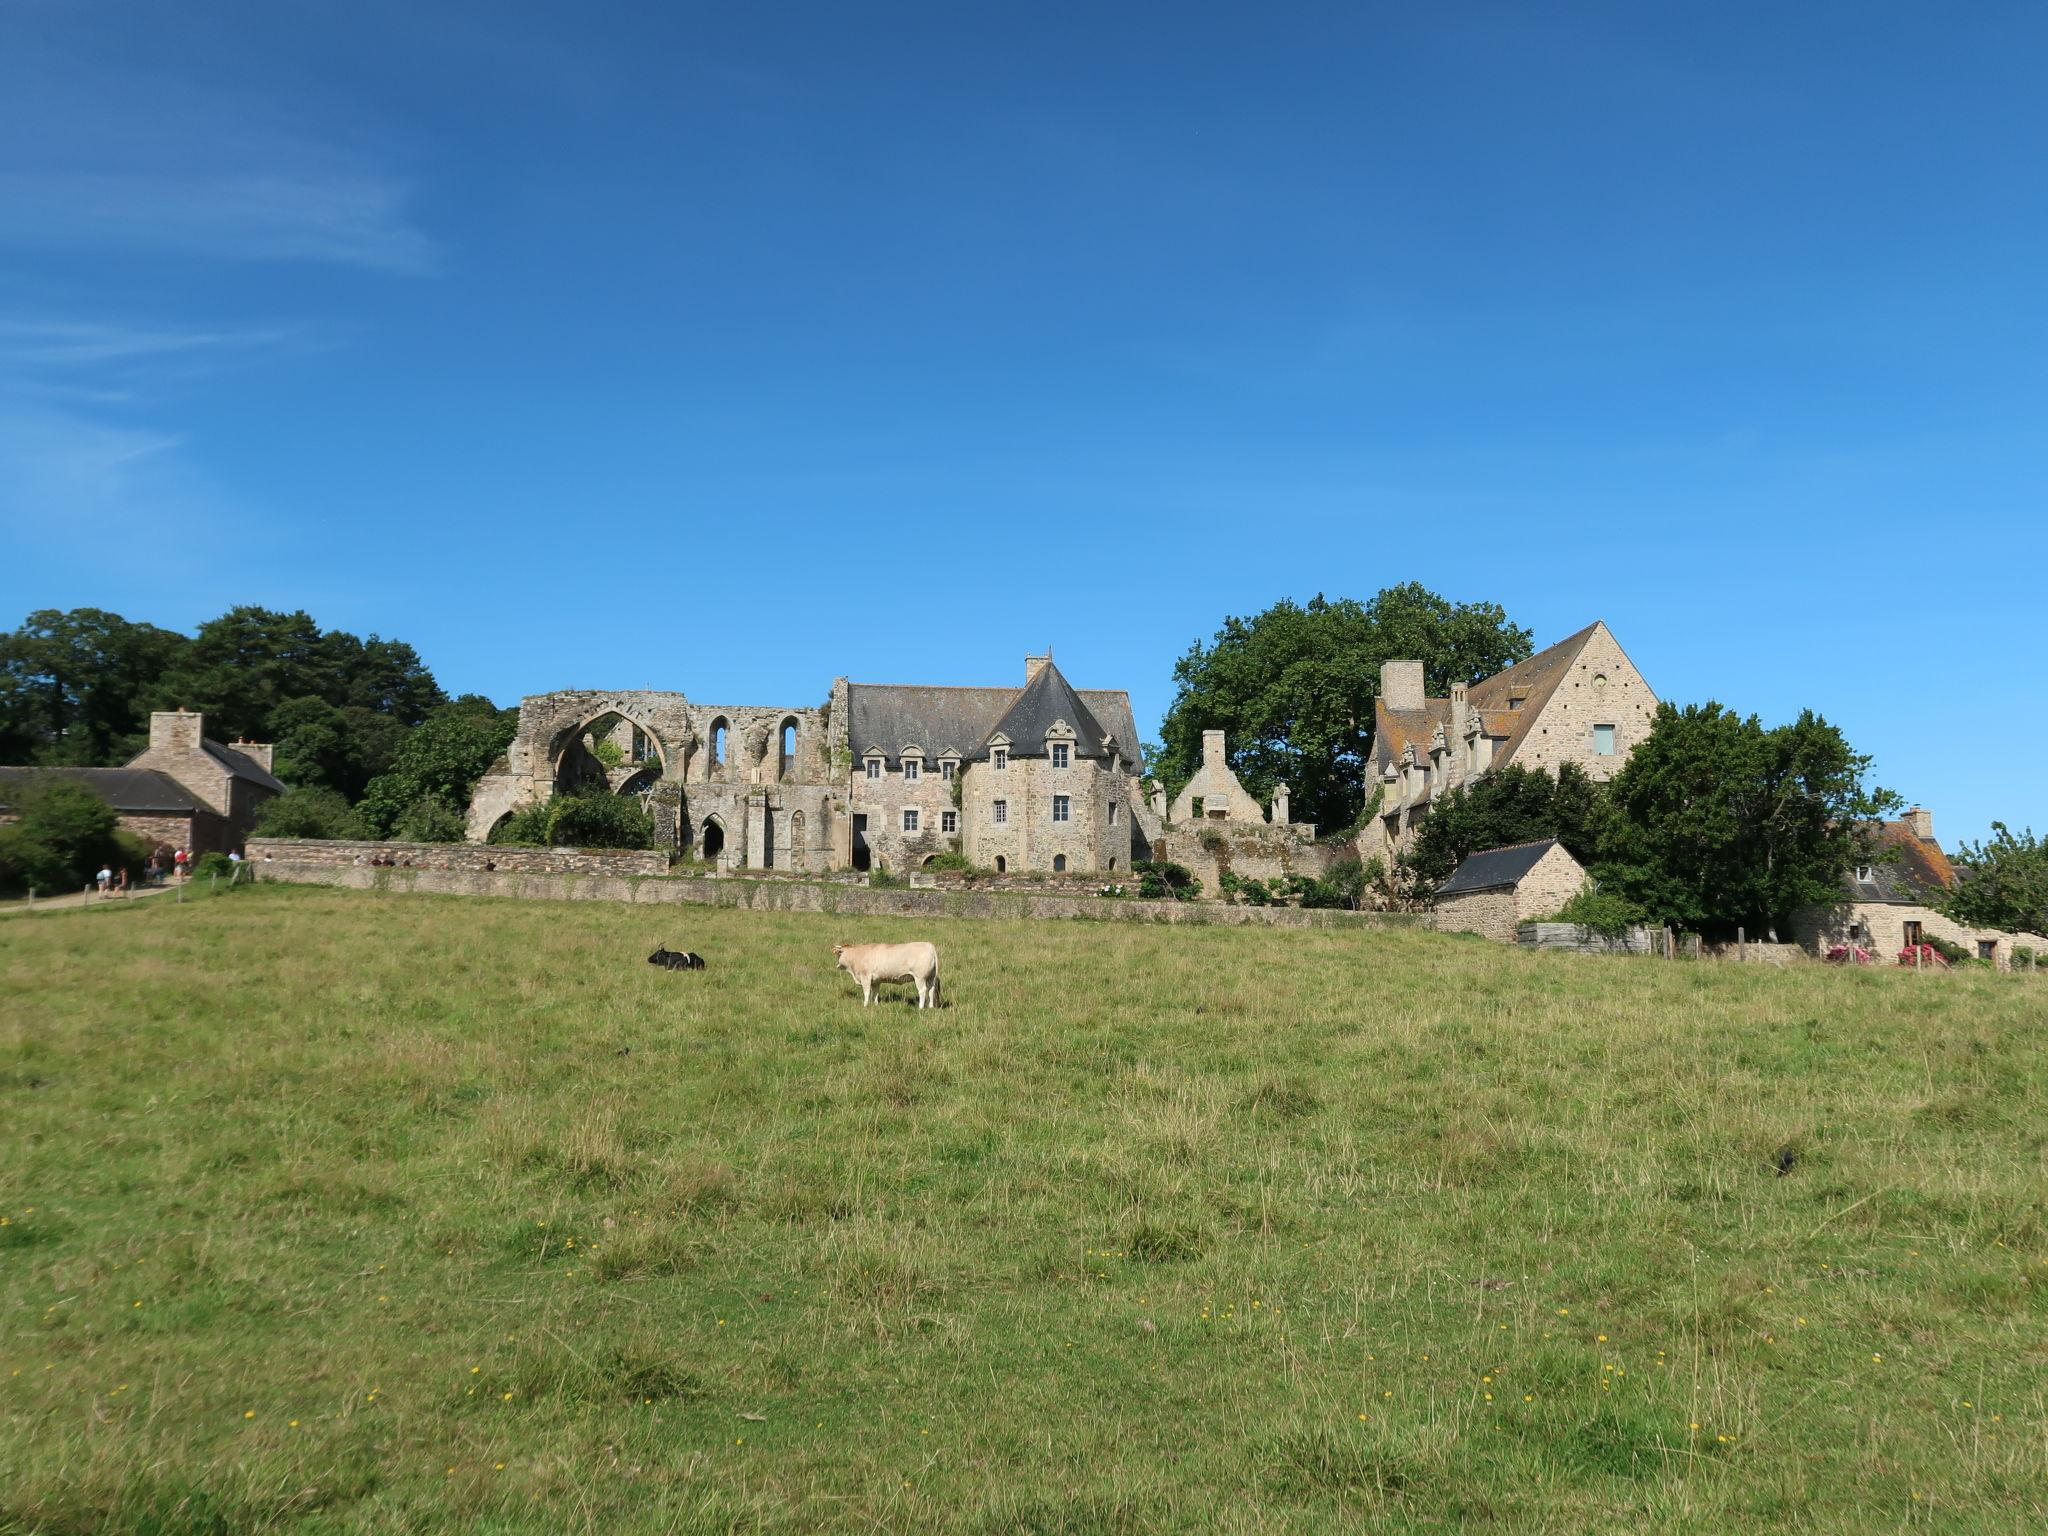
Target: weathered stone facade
[
  {"x": 480, "y": 857},
  {"x": 877, "y": 776},
  {"x": 1494, "y": 893},
  {"x": 1215, "y": 828},
  {"x": 1581, "y": 701}
]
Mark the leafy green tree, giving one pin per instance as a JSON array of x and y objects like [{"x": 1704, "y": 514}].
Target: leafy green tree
[
  {"x": 1294, "y": 687},
  {"x": 63, "y": 833},
  {"x": 1720, "y": 823},
  {"x": 75, "y": 686},
  {"x": 239, "y": 667},
  {"x": 528, "y": 826},
  {"x": 384, "y": 677},
  {"x": 309, "y": 813},
  {"x": 599, "y": 820},
  {"x": 1512, "y": 805},
  {"x": 2001, "y": 883},
  {"x": 441, "y": 759},
  {"x": 430, "y": 819}
]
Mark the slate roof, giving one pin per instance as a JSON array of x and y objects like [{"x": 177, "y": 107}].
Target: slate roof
[
  {"x": 139, "y": 790},
  {"x": 1495, "y": 869},
  {"x": 1914, "y": 872},
  {"x": 887, "y": 717},
  {"x": 1044, "y": 702},
  {"x": 242, "y": 766}
]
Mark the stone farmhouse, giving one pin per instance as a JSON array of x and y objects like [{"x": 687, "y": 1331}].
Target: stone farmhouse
[
  {"x": 1579, "y": 701},
  {"x": 184, "y": 790},
  {"x": 1042, "y": 777},
  {"x": 1495, "y": 892},
  {"x": 1887, "y": 904}
]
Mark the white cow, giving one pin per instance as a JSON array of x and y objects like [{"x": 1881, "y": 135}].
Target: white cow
[{"x": 872, "y": 964}]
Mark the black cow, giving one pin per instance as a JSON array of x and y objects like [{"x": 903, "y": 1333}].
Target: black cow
[{"x": 676, "y": 960}]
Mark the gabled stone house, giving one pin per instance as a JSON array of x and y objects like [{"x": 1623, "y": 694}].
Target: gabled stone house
[
  {"x": 184, "y": 790},
  {"x": 1887, "y": 904},
  {"x": 1579, "y": 701},
  {"x": 1495, "y": 892},
  {"x": 1040, "y": 777}
]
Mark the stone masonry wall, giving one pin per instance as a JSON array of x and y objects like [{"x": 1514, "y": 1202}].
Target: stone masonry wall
[
  {"x": 1603, "y": 688},
  {"x": 466, "y": 857},
  {"x": 1490, "y": 914},
  {"x": 1555, "y": 880},
  {"x": 1820, "y": 928},
  {"x": 1249, "y": 851}
]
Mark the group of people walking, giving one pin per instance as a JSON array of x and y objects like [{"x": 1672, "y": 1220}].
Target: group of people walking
[{"x": 162, "y": 865}]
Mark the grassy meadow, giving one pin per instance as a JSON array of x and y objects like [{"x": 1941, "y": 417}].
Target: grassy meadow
[{"x": 333, "y": 1211}]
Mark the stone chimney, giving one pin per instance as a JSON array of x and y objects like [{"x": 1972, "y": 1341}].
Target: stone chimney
[
  {"x": 1279, "y": 816},
  {"x": 1033, "y": 665},
  {"x": 1158, "y": 800},
  {"x": 1212, "y": 749},
  {"x": 1459, "y": 717},
  {"x": 176, "y": 730},
  {"x": 1921, "y": 823},
  {"x": 257, "y": 752},
  {"x": 1401, "y": 684}
]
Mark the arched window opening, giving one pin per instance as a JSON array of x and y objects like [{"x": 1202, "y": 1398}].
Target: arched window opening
[
  {"x": 719, "y": 733},
  {"x": 788, "y": 750},
  {"x": 1059, "y": 863},
  {"x": 1002, "y": 864},
  {"x": 711, "y": 841}
]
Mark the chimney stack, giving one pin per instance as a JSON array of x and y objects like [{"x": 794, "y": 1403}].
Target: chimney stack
[
  {"x": 1212, "y": 749},
  {"x": 1921, "y": 821},
  {"x": 257, "y": 752},
  {"x": 1033, "y": 665},
  {"x": 1401, "y": 684},
  {"x": 176, "y": 730}
]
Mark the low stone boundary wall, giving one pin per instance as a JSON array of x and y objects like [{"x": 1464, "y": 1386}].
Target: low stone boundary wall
[
  {"x": 776, "y": 896},
  {"x": 1637, "y": 941},
  {"x": 458, "y": 856}
]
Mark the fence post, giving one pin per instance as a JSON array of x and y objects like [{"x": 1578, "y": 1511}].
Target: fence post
[
  {"x": 1741, "y": 945},
  {"x": 213, "y": 885}
]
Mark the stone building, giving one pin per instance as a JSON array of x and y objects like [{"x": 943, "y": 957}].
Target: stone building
[
  {"x": 1580, "y": 701},
  {"x": 1887, "y": 905},
  {"x": 1495, "y": 892},
  {"x": 1214, "y": 827},
  {"x": 1037, "y": 777},
  {"x": 184, "y": 790}
]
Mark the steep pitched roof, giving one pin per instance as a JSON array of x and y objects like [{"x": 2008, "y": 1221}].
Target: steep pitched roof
[
  {"x": 242, "y": 766},
  {"x": 1916, "y": 871},
  {"x": 886, "y": 717},
  {"x": 1496, "y": 868},
  {"x": 1044, "y": 701},
  {"x": 1533, "y": 681},
  {"x": 140, "y": 790},
  {"x": 1394, "y": 729}
]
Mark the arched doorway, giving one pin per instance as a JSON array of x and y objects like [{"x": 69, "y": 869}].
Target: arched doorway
[
  {"x": 1059, "y": 863},
  {"x": 768, "y": 838},
  {"x": 1002, "y": 865},
  {"x": 711, "y": 840}
]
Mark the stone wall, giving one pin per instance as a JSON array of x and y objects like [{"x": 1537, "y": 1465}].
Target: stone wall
[
  {"x": 468, "y": 857},
  {"x": 1603, "y": 687},
  {"x": 1250, "y": 851},
  {"x": 1490, "y": 914},
  {"x": 794, "y": 896},
  {"x": 1029, "y": 838},
  {"x": 1637, "y": 941},
  {"x": 1820, "y": 928}
]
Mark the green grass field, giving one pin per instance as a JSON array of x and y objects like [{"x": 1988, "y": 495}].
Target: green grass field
[{"x": 334, "y": 1211}]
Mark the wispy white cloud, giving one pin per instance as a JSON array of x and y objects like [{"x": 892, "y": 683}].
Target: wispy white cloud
[{"x": 33, "y": 343}]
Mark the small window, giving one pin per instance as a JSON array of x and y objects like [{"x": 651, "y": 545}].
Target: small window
[
  {"x": 1059, "y": 754},
  {"x": 913, "y": 770},
  {"x": 946, "y": 769},
  {"x": 1987, "y": 949},
  {"x": 1060, "y": 807},
  {"x": 1002, "y": 814},
  {"x": 999, "y": 758},
  {"x": 1865, "y": 874},
  {"x": 1059, "y": 863},
  {"x": 910, "y": 819},
  {"x": 1603, "y": 741},
  {"x": 874, "y": 767},
  {"x": 1002, "y": 863},
  {"x": 1195, "y": 807},
  {"x": 949, "y": 821},
  {"x": 1112, "y": 813}
]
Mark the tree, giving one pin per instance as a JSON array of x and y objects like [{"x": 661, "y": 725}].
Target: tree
[
  {"x": 441, "y": 759},
  {"x": 1294, "y": 688},
  {"x": 2002, "y": 883},
  {"x": 599, "y": 820},
  {"x": 1512, "y": 805},
  {"x": 75, "y": 686},
  {"x": 308, "y": 813},
  {"x": 62, "y": 835},
  {"x": 239, "y": 667},
  {"x": 1720, "y": 823}
]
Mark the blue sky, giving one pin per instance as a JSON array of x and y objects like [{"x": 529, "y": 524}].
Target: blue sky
[{"x": 726, "y": 348}]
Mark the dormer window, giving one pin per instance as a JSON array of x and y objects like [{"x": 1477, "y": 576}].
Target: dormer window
[
  {"x": 875, "y": 766},
  {"x": 913, "y": 769},
  {"x": 1060, "y": 752},
  {"x": 1865, "y": 875},
  {"x": 999, "y": 758},
  {"x": 947, "y": 769}
]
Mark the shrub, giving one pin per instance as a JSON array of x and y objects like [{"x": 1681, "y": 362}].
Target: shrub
[
  {"x": 1163, "y": 880},
  {"x": 213, "y": 864},
  {"x": 599, "y": 821},
  {"x": 1603, "y": 912},
  {"x": 1343, "y": 887},
  {"x": 1252, "y": 893},
  {"x": 430, "y": 820},
  {"x": 309, "y": 813},
  {"x": 527, "y": 825},
  {"x": 951, "y": 859},
  {"x": 63, "y": 835}
]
